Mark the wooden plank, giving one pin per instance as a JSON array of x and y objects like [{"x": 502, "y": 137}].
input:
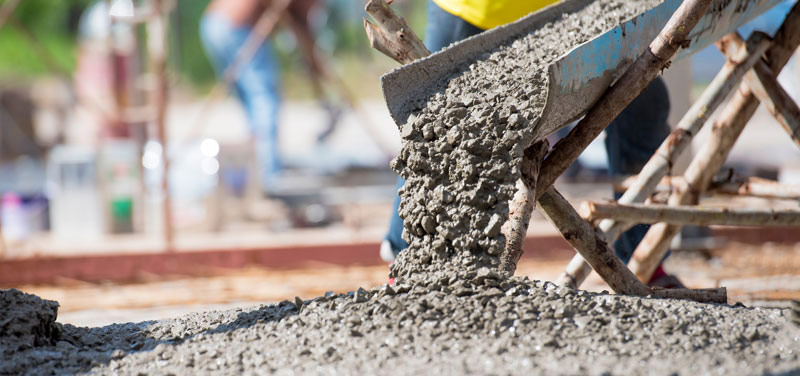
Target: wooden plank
[
  {"x": 591, "y": 246},
  {"x": 733, "y": 185},
  {"x": 640, "y": 213},
  {"x": 391, "y": 35}
]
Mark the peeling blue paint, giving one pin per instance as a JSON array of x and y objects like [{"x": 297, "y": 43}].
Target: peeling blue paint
[{"x": 608, "y": 52}]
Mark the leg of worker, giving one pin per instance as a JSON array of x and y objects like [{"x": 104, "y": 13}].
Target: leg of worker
[
  {"x": 442, "y": 30},
  {"x": 256, "y": 87},
  {"x": 631, "y": 140}
]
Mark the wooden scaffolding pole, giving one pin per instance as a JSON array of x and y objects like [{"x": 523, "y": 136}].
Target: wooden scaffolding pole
[
  {"x": 632, "y": 83},
  {"x": 713, "y": 153},
  {"x": 522, "y": 206},
  {"x": 581, "y": 236},
  {"x": 764, "y": 84},
  {"x": 737, "y": 186},
  {"x": 683, "y": 215},
  {"x": 157, "y": 48},
  {"x": 676, "y": 143}
]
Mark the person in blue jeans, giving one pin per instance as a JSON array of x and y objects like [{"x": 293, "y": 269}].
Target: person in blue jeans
[
  {"x": 224, "y": 28},
  {"x": 631, "y": 139}
]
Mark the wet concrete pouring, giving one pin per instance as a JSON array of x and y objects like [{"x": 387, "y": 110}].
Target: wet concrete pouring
[{"x": 451, "y": 310}]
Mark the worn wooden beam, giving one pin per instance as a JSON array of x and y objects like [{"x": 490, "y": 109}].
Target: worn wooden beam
[
  {"x": 700, "y": 216},
  {"x": 632, "y": 83},
  {"x": 580, "y": 234},
  {"x": 675, "y": 144},
  {"x": 391, "y": 35},
  {"x": 717, "y": 295},
  {"x": 522, "y": 206},
  {"x": 157, "y": 30},
  {"x": 713, "y": 153},
  {"x": 765, "y": 87},
  {"x": 736, "y": 186}
]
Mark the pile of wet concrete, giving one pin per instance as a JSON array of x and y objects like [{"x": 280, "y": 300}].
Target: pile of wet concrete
[
  {"x": 482, "y": 323},
  {"x": 450, "y": 312}
]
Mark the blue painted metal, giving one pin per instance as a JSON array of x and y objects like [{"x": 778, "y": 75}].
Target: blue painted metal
[{"x": 579, "y": 77}]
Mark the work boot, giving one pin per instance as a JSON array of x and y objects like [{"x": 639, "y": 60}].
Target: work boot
[
  {"x": 387, "y": 251},
  {"x": 663, "y": 280}
]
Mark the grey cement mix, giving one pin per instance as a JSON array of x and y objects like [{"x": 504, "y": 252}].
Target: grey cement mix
[
  {"x": 451, "y": 312},
  {"x": 480, "y": 323},
  {"x": 462, "y": 149},
  {"x": 26, "y": 321}
]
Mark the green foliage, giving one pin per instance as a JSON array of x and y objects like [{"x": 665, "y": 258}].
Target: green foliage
[
  {"x": 187, "y": 54},
  {"x": 53, "y": 23}
]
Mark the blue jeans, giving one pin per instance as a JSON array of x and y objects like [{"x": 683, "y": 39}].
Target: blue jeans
[
  {"x": 256, "y": 87},
  {"x": 630, "y": 139}
]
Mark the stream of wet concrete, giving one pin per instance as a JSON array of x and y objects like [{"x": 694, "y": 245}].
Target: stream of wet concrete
[{"x": 462, "y": 149}]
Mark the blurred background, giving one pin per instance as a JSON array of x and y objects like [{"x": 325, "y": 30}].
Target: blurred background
[{"x": 92, "y": 216}]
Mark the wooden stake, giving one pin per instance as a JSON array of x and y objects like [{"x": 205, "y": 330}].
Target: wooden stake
[
  {"x": 157, "y": 44},
  {"x": 700, "y": 216},
  {"x": 579, "y": 233},
  {"x": 765, "y": 87},
  {"x": 633, "y": 82},
  {"x": 736, "y": 186},
  {"x": 710, "y": 157},
  {"x": 391, "y": 35},
  {"x": 717, "y": 295},
  {"x": 522, "y": 206},
  {"x": 676, "y": 143}
]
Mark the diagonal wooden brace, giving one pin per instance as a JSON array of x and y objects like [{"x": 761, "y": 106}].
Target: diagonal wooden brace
[
  {"x": 764, "y": 84},
  {"x": 712, "y": 155},
  {"x": 391, "y": 35},
  {"x": 580, "y": 234},
  {"x": 683, "y": 215},
  {"x": 729, "y": 185},
  {"x": 676, "y": 143},
  {"x": 522, "y": 205}
]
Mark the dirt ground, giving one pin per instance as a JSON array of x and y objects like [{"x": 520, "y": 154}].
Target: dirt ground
[
  {"x": 479, "y": 324},
  {"x": 764, "y": 276}
]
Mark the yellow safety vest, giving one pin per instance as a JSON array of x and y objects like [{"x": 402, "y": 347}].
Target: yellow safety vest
[{"x": 487, "y": 14}]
